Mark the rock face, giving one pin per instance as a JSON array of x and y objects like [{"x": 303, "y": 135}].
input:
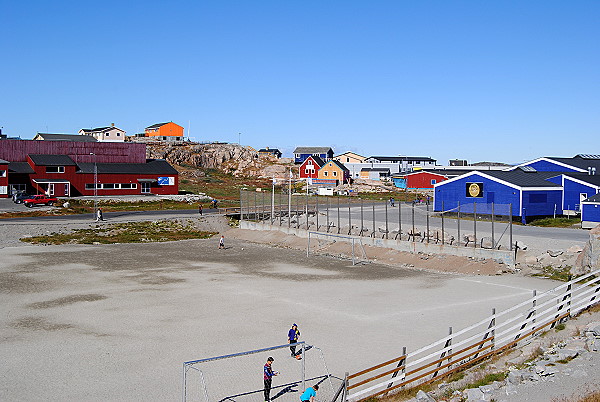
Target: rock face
[
  {"x": 589, "y": 258},
  {"x": 230, "y": 158}
]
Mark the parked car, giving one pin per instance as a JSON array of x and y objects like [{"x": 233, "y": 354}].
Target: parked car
[
  {"x": 40, "y": 200},
  {"x": 18, "y": 198}
]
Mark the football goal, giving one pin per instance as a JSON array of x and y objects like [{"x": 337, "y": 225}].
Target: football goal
[
  {"x": 238, "y": 377},
  {"x": 336, "y": 244}
]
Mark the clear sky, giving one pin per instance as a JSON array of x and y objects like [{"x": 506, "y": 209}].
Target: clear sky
[{"x": 478, "y": 80}]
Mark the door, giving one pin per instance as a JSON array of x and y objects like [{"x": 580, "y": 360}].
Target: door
[
  {"x": 67, "y": 188},
  {"x": 51, "y": 189},
  {"x": 145, "y": 187},
  {"x": 582, "y": 197}
]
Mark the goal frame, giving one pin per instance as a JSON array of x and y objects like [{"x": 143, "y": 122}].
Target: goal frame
[{"x": 350, "y": 239}]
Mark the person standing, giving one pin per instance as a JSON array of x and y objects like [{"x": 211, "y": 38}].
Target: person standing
[
  {"x": 222, "y": 242},
  {"x": 392, "y": 202},
  {"x": 268, "y": 374},
  {"x": 99, "y": 216},
  {"x": 200, "y": 209},
  {"x": 310, "y": 394},
  {"x": 293, "y": 336}
]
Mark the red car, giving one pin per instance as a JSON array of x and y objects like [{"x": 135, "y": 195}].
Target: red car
[{"x": 40, "y": 200}]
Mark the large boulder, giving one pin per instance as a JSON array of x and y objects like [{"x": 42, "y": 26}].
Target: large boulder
[{"x": 588, "y": 259}]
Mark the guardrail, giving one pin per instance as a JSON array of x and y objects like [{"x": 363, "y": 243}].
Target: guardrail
[{"x": 490, "y": 336}]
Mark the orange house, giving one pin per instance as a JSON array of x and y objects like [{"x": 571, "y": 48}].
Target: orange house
[
  {"x": 334, "y": 170},
  {"x": 165, "y": 131}
]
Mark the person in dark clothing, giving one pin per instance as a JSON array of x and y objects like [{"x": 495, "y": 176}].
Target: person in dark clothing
[
  {"x": 293, "y": 335},
  {"x": 268, "y": 374},
  {"x": 200, "y": 209}
]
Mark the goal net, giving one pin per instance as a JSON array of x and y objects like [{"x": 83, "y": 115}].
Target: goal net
[
  {"x": 336, "y": 245},
  {"x": 239, "y": 377}
]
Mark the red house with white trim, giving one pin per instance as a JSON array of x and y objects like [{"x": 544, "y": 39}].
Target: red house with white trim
[{"x": 309, "y": 169}]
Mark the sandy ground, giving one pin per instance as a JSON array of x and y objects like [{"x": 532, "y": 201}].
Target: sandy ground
[{"x": 115, "y": 322}]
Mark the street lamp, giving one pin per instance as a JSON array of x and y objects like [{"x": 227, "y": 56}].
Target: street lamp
[{"x": 95, "y": 185}]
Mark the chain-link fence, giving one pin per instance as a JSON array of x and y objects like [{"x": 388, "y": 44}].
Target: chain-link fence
[{"x": 477, "y": 225}]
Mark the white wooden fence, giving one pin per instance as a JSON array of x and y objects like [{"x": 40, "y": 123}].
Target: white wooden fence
[{"x": 461, "y": 349}]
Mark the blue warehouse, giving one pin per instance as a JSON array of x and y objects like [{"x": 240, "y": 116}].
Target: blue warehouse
[
  {"x": 301, "y": 153},
  {"x": 528, "y": 191},
  {"x": 576, "y": 188},
  {"x": 590, "y": 212}
]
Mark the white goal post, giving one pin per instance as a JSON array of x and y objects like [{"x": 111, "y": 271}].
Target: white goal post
[{"x": 357, "y": 245}]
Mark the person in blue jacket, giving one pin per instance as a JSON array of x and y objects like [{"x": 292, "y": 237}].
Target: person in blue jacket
[
  {"x": 293, "y": 335},
  {"x": 268, "y": 374},
  {"x": 310, "y": 394}
]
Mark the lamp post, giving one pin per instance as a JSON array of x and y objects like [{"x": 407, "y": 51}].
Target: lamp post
[
  {"x": 273, "y": 201},
  {"x": 95, "y": 185}
]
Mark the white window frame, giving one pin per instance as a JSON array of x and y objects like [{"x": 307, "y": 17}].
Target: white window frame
[{"x": 59, "y": 169}]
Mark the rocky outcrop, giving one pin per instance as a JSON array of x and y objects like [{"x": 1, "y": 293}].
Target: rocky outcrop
[
  {"x": 589, "y": 258},
  {"x": 230, "y": 158}
]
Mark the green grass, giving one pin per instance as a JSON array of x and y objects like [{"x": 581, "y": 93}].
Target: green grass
[
  {"x": 487, "y": 379},
  {"x": 132, "y": 232},
  {"x": 555, "y": 222},
  {"x": 556, "y": 273}
]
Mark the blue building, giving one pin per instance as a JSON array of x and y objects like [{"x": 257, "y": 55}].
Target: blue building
[
  {"x": 526, "y": 190},
  {"x": 590, "y": 212},
  {"x": 576, "y": 188},
  {"x": 301, "y": 153},
  {"x": 582, "y": 163}
]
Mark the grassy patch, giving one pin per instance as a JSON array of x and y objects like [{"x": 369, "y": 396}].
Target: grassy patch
[
  {"x": 565, "y": 361},
  {"x": 132, "y": 232},
  {"x": 456, "y": 376},
  {"x": 560, "y": 327},
  {"x": 555, "y": 222},
  {"x": 487, "y": 379},
  {"x": 556, "y": 273}
]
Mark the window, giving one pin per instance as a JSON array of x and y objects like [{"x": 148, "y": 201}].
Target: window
[
  {"x": 55, "y": 169},
  {"x": 108, "y": 134},
  {"x": 433, "y": 181},
  {"x": 325, "y": 174},
  {"x": 128, "y": 185},
  {"x": 2, "y": 173},
  {"x": 108, "y": 186},
  {"x": 334, "y": 174},
  {"x": 347, "y": 159},
  {"x": 89, "y": 186},
  {"x": 118, "y": 134}
]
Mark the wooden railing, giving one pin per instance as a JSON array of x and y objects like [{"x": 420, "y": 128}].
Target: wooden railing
[{"x": 490, "y": 336}]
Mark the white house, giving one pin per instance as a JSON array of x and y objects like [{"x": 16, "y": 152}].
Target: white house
[{"x": 106, "y": 134}]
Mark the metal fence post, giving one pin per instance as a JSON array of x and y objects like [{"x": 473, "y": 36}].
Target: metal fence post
[
  {"x": 255, "y": 203},
  {"x": 373, "y": 233},
  {"x": 307, "y": 224},
  {"x": 264, "y": 213},
  {"x": 280, "y": 210},
  {"x": 400, "y": 219},
  {"x": 386, "y": 222},
  {"x": 493, "y": 238},
  {"x": 349, "y": 219},
  {"x": 317, "y": 211},
  {"x": 338, "y": 214},
  {"x": 327, "y": 215},
  {"x": 458, "y": 224},
  {"x": 533, "y": 311},
  {"x": 474, "y": 225},
  {"x": 401, "y": 365},
  {"x": 427, "y": 219},
  {"x": 413, "y": 221},
  {"x": 297, "y": 213},
  {"x": 362, "y": 225},
  {"x": 443, "y": 223},
  {"x": 493, "y": 326},
  {"x": 510, "y": 226}
]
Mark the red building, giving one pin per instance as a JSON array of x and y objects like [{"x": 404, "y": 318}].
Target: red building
[
  {"x": 423, "y": 180},
  {"x": 309, "y": 169},
  {"x": 110, "y": 168}
]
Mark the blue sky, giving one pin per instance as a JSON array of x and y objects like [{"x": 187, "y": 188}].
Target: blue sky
[{"x": 479, "y": 80}]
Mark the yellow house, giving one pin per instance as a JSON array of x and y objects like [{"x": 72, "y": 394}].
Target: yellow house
[
  {"x": 349, "y": 157},
  {"x": 334, "y": 170}
]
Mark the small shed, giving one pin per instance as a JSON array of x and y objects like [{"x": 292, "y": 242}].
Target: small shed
[{"x": 590, "y": 212}]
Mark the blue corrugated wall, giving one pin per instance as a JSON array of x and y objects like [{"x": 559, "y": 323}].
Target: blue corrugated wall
[
  {"x": 545, "y": 166},
  {"x": 572, "y": 191},
  {"x": 591, "y": 212}
]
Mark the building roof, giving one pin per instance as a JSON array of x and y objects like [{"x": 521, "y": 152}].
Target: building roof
[
  {"x": 317, "y": 159},
  {"x": 3, "y": 162},
  {"x": 402, "y": 158},
  {"x": 587, "y": 178},
  {"x": 312, "y": 150},
  {"x": 65, "y": 137},
  {"x": 581, "y": 161},
  {"x": 338, "y": 164},
  {"x": 593, "y": 198},
  {"x": 521, "y": 178},
  {"x": 52, "y": 160},
  {"x": 152, "y": 166},
  {"x": 269, "y": 150},
  {"x": 349, "y": 152},
  {"x": 157, "y": 125},
  {"x": 375, "y": 170},
  {"x": 20, "y": 167}
]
